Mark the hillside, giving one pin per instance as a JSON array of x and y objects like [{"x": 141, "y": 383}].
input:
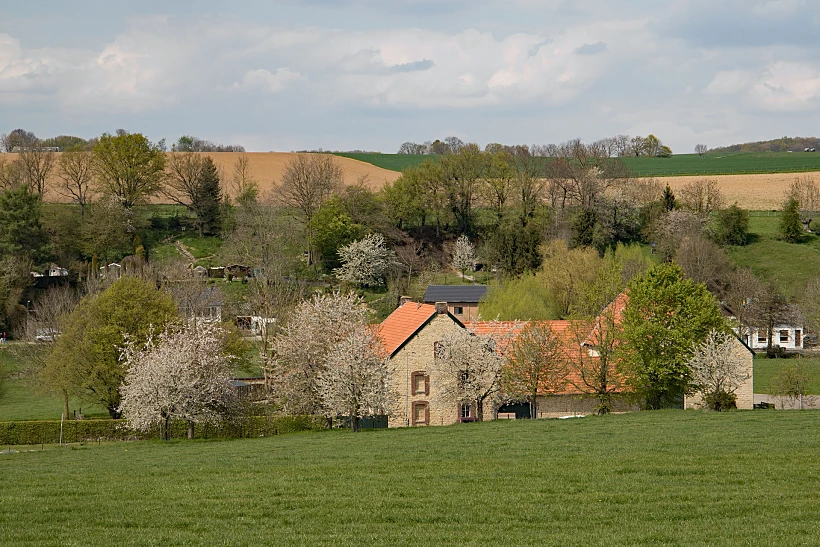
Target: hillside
[
  {"x": 784, "y": 144},
  {"x": 646, "y": 478}
]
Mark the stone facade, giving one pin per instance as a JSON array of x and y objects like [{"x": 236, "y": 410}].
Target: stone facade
[
  {"x": 744, "y": 393},
  {"x": 415, "y": 378}
]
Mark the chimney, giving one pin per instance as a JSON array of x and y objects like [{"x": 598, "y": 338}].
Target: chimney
[
  {"x": 441, "y": 308},
  {"x": 404, "y": 300}
]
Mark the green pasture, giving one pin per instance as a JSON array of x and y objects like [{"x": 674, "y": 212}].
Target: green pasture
[
  {"x": 678, "y": 164},
  {"x": 765, "y": 371},
  {"x": 788, "y": 265},
  {"x": 648, "y": 478}
]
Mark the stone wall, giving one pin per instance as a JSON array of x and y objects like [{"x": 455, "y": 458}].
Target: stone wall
[
  {"x": 418, "y": 356},
  {"x": 744, "y": 393}
]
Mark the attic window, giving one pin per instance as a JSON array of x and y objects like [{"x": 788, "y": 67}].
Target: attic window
[{"x": 458, "y": 310}]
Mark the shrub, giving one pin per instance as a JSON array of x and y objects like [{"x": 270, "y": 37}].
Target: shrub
[
  {"x": 791, "y": 227},
  {"x": 720, "y": 400},
  {"x": 731, "y": 226}
]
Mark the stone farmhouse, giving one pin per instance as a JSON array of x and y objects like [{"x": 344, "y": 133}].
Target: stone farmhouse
[{"x": 413, "y": 331}]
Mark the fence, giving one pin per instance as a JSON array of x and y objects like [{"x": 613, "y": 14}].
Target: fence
[{"x": 48, "y": 432}]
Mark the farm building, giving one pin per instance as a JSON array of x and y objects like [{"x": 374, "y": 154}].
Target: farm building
[
  {"x": 787, "y": 337},
  {"x": 462, "y": 300}
]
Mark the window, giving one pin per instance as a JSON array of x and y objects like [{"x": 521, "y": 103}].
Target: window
[
  {"x": 458, "y": 310},
  {"x": 466, "y": 411},
  {"x": 761, "y": 337},
  {"x": 784, "y": 336},
  {"x": 421, "y": 413},
  {"x": 419, "y": 383}
]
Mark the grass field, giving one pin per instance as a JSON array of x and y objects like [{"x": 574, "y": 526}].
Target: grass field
[
  {"x": 766, "y": 369},
  {"x": 677, "y": 165},
  {"x": 788, "y": 265},
  {"x": 650, "y": 478}
]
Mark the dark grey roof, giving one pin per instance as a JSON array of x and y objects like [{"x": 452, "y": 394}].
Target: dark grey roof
[{"x": 454, "y": 293}]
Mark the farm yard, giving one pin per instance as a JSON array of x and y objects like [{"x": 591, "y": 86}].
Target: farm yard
[{"x": 665, "y": 477}]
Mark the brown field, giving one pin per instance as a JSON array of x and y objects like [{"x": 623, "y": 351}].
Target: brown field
[
  {"x": 267, "y": 169},
  {"x": 753, "y": 192}
]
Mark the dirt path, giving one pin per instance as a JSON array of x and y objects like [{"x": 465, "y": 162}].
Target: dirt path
[{"x": 184, "y": 251}]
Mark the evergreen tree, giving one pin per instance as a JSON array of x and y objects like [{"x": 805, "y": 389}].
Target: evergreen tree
[
  {"x": 669, "y": 200},
  {"x": 791, "y": 227},
  {"x": 208, "y": 208}
]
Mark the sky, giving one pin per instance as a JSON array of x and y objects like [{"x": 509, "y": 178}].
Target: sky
[{"x": 371, "y": 74}]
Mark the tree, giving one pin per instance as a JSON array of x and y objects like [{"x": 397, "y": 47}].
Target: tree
[
  {"x": 791, "y": 227},
  {"x": 595, "y": 352},
  {"x": 535, "y": 364},
  {"x": 743, "y": 292},
  {"x": 128, "y": 167},
  {"x": 731, "y": 226},
  {"x": 183, "y": 373},
  {"x": 471, "y": 368},
  {"x": 717, "y": 370},
  {"x": 36, "y": 162},
  {"x": 460, "y": 174},
  {"x": 704, "y": 262},
  {"x": 88, "y": 351},
  {"x": 412, "y": 148},
  {"x": 463, "y": 255},
  {"x": 769, "y": 309},
  {"x": 805, "y": 191},
  {"x": 792, "y": 383},
  {"x": 17, "y": 140},
  {"x": 75, "y": 169},
  {"x": 365, "y": 262},
  {"x": 110, "y": 229},
  {"x": 245, "y": 187},
  {"x": 701, "y": 197},
  {"x": 332, "y": 229},
  {"x": 301, "y": 349},
  {"x": 701, "y": 149},
  {"x": 308, "y": 181},
  {"x": 11, "y": 174},
  {"x": 188, "y": 143},
  {"x": 356, "y": 380},
  {"x": 193, "y": 181},
  {"x": 21, "y": 233},
  {"x": 666, "y": 315},
  {"x": 668, "y": 199}
]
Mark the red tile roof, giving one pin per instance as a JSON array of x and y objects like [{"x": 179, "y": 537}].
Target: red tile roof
[{"x": 403, "y": 323}]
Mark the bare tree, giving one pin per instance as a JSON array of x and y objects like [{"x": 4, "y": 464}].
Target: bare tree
[
  {"x": 535, "y": 364},
  {"x": 704, "y": 262},
  {"x": 182, "y": 373},
  {"x": 194, "y": 182},
  {"x": 356, "y": 381},
  {"x": 744, "y": 290},
  {"x": 244, "y": 184},
  {"x": 11, "y": 173},
  {"x": 76, "y": 171},
  {"x": 701, "y": 149},
  {"x": 717, "y": 370},
  {"x": 37, "y": 162},
  {"x": 307, "y": 182},
  {"x": 701, "y": 197},
  {"x": 805, "y": 191}
]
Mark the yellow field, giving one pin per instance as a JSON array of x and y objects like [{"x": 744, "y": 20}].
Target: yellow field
[
  {"x": 267, "y": 168},
  {"x": 752, "y": 192}
]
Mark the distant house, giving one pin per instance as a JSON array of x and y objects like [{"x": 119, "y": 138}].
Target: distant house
[
  {"x": 788, "y": 337},
  {"x": 56, "y": 271},
  {"x": 462, "y": 300}
]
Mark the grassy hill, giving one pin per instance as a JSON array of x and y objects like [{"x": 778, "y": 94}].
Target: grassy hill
[
  {"x": 663, "y": 477},
  {"x": 677, "y": 165}
]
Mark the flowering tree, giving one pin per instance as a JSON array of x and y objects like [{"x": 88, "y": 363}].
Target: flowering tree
[
  {"x": 365, "y": 262},
  {"x": 471, "y": 369},
  {"x": 463, "y": 255},
  {"x": 717, "y": 370},
  {"x": 182, "y": 373},
  {"x": 355, "y": 381},
  {"x": 535, "y": 362},
  {"x": 301, "y": 349}
]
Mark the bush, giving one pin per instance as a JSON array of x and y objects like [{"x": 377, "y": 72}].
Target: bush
[
  {"x": 37, "y": 432},
  {"x": 791, "y": 227},
  {"x": 720, "y": 401},
  {"x": 731, "y": 226}
]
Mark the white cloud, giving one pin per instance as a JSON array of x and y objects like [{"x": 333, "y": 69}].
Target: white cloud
[{"x": 264, "y": 80}]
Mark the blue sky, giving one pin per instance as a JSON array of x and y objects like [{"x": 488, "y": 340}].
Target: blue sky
[{"x": 372, "y": 74}]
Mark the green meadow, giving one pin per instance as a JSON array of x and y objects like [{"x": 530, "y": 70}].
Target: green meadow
[
  {"x": 647, "y": 478},
  {"x": 678, "y": 164}
]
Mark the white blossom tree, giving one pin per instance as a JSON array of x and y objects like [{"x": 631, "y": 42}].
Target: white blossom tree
[
  {"x": 717, "y": 370},
  {"x": 366, "y": 261},
  {"x": 300, "y": 350},
  {"x": 464, "y": 255},
  {"x": 356, "y": 380},
  {"x": 471, "y": 367},
  {"x": 182, "y": 373}
]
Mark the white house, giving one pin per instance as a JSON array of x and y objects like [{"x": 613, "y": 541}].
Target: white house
[{"x": 788, "y": 337}]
